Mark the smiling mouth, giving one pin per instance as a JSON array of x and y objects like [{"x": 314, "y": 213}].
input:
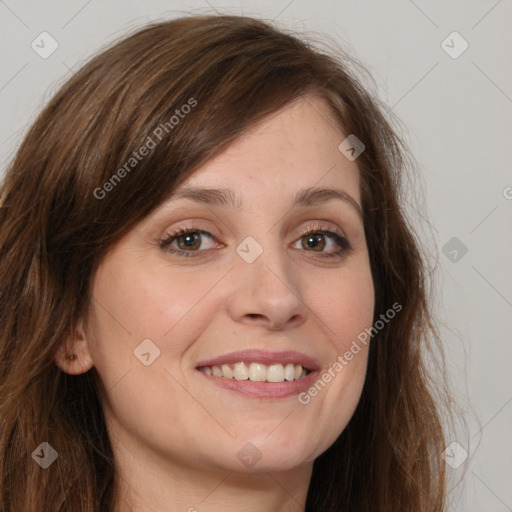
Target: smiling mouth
[{"x": 257, "y": 372}]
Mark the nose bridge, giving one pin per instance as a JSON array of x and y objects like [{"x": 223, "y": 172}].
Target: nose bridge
[{"x": 263, "y": 258}]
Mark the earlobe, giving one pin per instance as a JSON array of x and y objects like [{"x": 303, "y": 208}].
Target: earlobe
[{"x": 73, "y": 355}]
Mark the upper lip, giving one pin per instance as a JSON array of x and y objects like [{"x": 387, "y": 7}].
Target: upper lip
[{"x": 263, "y": 357}]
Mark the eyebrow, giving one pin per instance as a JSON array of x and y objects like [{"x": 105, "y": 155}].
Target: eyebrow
[{"x": 229, "y": 198}]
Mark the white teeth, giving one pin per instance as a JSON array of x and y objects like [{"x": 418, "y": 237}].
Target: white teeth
[
  {"x": 275, "y": 373},
  {"x": 257, "y": 372},
  {"x": 289, "y": 371},
  {"x": 241, "y": 372},
  {"x": 227, "y": 371}
]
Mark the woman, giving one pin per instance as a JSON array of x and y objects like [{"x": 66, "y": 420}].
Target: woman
[{"x": 210, "y": 298}]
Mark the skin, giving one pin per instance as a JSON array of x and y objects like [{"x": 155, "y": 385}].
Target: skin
[{"x": 174, "y": 434}]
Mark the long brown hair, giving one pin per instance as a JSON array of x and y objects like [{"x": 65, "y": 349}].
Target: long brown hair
[{"x": 57, "y": 221}]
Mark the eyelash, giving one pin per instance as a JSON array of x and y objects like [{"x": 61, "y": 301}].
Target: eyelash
[{"x": 337, "y": 236}]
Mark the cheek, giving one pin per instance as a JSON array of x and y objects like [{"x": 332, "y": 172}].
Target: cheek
[
  {"x": 130, "y": 306},
  {"x": 346, "y": 305},
  {"x": 351, "y": 316},
  {"x": 347, "y": 309}
]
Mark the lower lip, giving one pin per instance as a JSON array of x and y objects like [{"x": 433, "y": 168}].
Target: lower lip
[{"x": 268, "y": 390}]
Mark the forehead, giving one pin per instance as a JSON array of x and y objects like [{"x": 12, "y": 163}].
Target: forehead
[{"x": 292, "y": 149}]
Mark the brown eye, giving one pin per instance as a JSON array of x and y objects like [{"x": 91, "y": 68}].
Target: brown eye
[
  {"x": 327, "y": 244},
  {"x": 313, "y": 242},
  {"x": 188, "y": 240}
]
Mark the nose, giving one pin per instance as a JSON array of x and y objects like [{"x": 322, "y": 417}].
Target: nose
[{"x": 266, "y": 292}]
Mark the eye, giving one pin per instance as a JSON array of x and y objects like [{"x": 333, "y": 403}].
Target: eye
[
  {"x": 186, "y": 242},
  {"x": 314, "y": 237}
]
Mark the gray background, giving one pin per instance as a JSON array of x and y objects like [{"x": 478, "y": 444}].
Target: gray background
[{"x": 458, "y": 114}]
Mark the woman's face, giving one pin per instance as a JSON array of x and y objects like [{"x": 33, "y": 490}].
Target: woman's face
[{"x": 256, "y": 288}]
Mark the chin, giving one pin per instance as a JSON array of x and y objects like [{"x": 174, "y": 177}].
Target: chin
[{"x": 282, "y": 453}]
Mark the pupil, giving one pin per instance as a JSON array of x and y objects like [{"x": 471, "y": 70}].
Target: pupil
[
  {"x": 313, "y": 241},
  {"x": 189, "y": 239}
]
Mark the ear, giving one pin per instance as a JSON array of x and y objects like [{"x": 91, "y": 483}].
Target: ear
[{"x": 72, "y": 355}]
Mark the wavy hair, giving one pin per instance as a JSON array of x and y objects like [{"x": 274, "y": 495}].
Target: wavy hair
[{"x": 55, "y": 229}]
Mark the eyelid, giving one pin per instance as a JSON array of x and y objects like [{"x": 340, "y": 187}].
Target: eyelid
[{"x": 321, "y": 227}]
